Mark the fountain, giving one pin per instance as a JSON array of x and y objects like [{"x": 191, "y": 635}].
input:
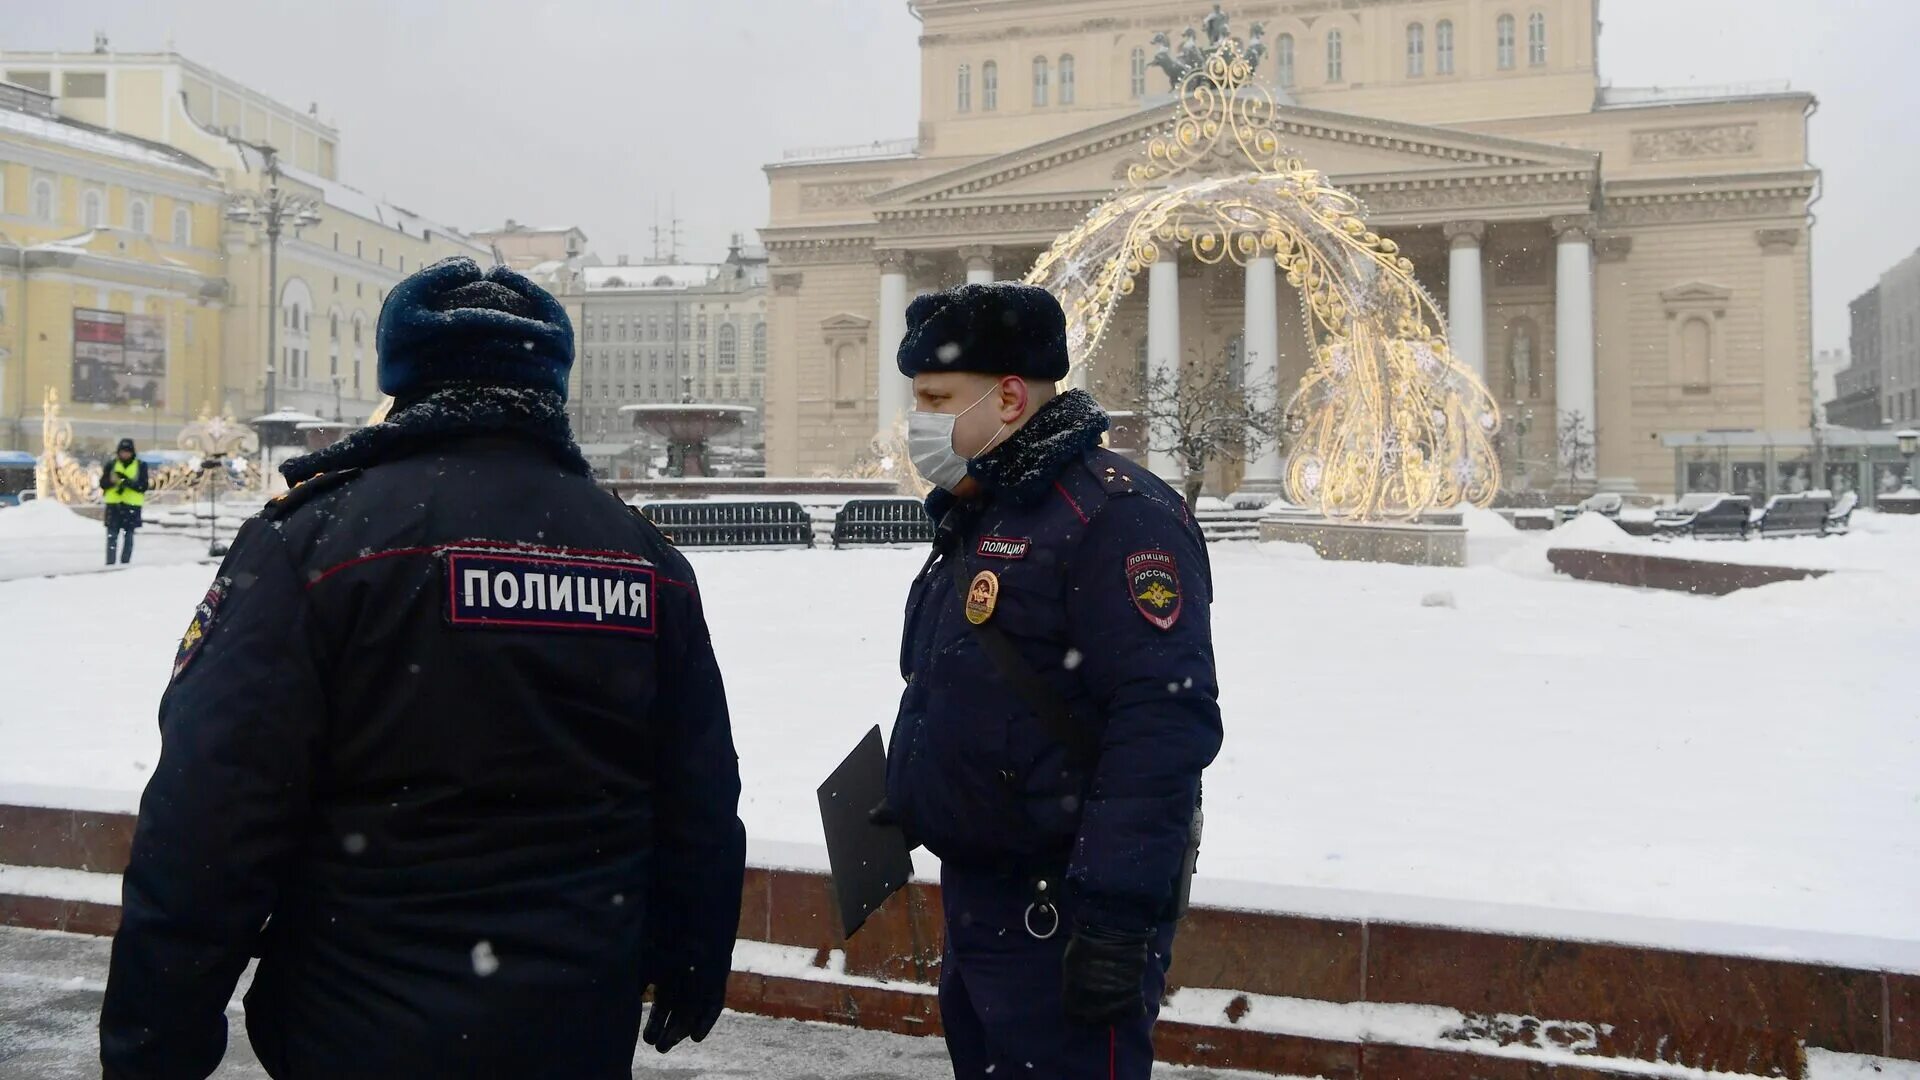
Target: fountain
[{"x": 687, "y": 427}]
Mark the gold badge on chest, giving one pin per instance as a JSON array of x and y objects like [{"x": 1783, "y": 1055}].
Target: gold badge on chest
[{"x": 982, "y": 596}]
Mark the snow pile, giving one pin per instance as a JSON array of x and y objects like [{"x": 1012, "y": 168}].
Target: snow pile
[
  {"x": 1485, "y": 523},
  {"x": 1589, "y": 531},
  {"x": 45, "y": 519}
]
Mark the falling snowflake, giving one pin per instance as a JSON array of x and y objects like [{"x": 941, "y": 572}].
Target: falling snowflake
[{"x": 484, "y": 962}]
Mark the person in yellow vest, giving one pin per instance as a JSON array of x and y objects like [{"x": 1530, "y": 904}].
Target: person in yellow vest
[{"x": 124, "y": 483}]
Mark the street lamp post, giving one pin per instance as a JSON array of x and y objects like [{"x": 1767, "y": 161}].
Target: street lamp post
[
  {"x": 1909, "y": 441},
  {"x": 273, "y": 211}
]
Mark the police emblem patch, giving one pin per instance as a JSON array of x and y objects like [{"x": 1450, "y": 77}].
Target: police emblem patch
[
  {"x": 200, "y": 625},
  {"x": 1153, "y": 580},
  {"x": 982, "y": 597}
]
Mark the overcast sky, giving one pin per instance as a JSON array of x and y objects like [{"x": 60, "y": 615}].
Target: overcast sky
[{"x": 588, "y": 113}]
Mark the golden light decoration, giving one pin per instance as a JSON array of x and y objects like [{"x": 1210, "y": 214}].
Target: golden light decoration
[
  {"x": 57, "y": 475},
  {"x": 1392, "y": 424}
]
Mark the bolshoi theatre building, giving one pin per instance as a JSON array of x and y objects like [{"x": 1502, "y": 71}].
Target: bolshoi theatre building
[{"x": 1620, "y": 267}]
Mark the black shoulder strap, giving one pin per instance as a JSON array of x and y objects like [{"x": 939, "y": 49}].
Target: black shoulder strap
[{"x": 1046, "y": 703}]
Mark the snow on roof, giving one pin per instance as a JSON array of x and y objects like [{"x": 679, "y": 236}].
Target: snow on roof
[
  {"x": 94, "y": 140},
  {"x": 360, "y": 204},
  {"x": 663, "y": 276},
  {"x": 1626, "y": 97}
]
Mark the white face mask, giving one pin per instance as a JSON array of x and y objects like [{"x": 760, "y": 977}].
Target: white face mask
[{"x": 930, "y": 444}]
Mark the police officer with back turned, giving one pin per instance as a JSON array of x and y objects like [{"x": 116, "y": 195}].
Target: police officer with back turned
[
  {"x": 445, "y": 746},
  {"x": 1060, "y": 700}
]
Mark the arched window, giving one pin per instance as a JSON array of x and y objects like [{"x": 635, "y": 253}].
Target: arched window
[
  {"x": 1696, "y": 354},
  {"x": 1443, "y": 47},
  {"x": 92, "y": 209},
  {"x": 989, "y": 86},
  {"x": 1137, "y": 67},
  {"x": 1066, "y": 80},
  {"x": 296, "y": 321},
  {"x": 1040, "y": 80},
  {"x": 182, "y": 226},
  {"x": 963, "y": 90},
  {"x": 1335, "y": 61},
  {"x": 137, "y": 215},
  {"x": 1537, "y": 39},
  {"x": 333, "y": 343},
  {"x": 1503, "y": 42},
  {"x": 43, "y": 200},
  {"x": 759, "y": 346},
  {"x": 1416, "y": 50},
  {"x": 1283, "y": 59},
  {"x": 727, "y": 348}
]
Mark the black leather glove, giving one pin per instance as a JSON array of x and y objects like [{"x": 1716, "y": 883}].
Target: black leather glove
[
  {"x": 1103, "y": 973},
  {"x": 687, "y": 1001}
]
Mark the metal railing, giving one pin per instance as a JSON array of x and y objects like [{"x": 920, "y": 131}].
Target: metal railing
[
  {"x": 732, "y": 524},
  {"x": 863, "y": 522}
]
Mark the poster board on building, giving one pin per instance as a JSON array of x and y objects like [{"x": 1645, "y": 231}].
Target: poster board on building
[{"x": 119, "y": 359}]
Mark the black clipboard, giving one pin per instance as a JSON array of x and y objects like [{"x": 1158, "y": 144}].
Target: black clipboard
[{"x": 870, "y": 862}]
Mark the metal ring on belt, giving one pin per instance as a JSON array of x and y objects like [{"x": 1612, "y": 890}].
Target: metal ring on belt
[{"x": 1052, "y": 929}]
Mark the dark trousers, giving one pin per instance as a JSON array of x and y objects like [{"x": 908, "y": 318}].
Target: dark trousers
[
  {"x": 1000, "y": 993},
  {"x": 122, "y": 520}
]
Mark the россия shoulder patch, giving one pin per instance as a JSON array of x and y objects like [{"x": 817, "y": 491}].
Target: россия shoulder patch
[{"x": 1153, "y": 581}]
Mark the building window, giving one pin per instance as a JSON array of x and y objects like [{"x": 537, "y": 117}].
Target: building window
[
  {"x": 403, "y": 264},
  {"x": 1416, "y": 50},
  {"x": 137, "y": 215},
  {"x": 359, "y": 249},
  {"x": 183, "y": 229},
  {"x": 963, "y": 90},
  {"x": 1137, "y": 66},
  {"x": 43, "y": 200},
  {"x": 92, "y": 209},
  {"x": 989, "y": 86},
  {"x": 727, "y": 351},
  {"x": 1066, "y": 80},
  {"x": 84, "y": 84},
  {"x": 1696, "y": 356},
  {"x": 1537, "y": 39},
  {"x": 1335, "y": 66},
  {"x": 1503, "y": 42},
  {"x": 1041, "y": 78},
  {"x": 1283, "y": 59},
  {"x": 1443, "y": 47},
  {"x": 760, "y": 346}
]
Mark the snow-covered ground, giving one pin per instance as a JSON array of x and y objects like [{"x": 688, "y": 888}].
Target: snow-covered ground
[
  {"x": 1494, "y": 747},
  {"x": 39, "y": 538}
]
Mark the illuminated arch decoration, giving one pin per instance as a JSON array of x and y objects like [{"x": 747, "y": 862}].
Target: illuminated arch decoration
[{"x": 1386, "y": 423}]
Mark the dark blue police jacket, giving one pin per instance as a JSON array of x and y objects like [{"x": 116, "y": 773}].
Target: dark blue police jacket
[
  {"x": 1097, "y": 573},
  {"x": 450, "y": 719}
]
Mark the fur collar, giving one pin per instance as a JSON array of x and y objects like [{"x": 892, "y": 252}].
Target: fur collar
[{"x": 447, "y": 413}]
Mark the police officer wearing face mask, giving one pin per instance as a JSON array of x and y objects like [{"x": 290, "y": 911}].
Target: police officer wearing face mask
[{"x": 1060, "y": 700}]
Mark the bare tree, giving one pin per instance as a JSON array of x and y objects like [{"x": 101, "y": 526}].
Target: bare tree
[{"x": 1203, "y": 415}]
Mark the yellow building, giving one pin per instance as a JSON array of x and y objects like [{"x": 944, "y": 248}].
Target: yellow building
[
  {"x": 1618, "y": 265},
  {"x": 112, "y": 286},
  {"x": 158, "y": 147}
]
